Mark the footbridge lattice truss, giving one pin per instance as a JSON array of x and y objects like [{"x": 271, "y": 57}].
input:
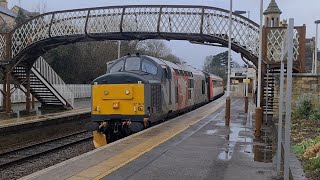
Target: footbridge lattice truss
[
  {"x": 199, "y": 24},
  {"x": 192, "y": 23}
]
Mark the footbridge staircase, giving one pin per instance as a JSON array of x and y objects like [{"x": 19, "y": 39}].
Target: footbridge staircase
[{"x": 45, "y": 85}]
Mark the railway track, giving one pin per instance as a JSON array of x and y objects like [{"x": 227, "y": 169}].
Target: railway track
[{"x": 23, "y": 154}]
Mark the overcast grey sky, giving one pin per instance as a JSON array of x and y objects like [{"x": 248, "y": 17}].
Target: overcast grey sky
[{"x": 304, "y": 12}]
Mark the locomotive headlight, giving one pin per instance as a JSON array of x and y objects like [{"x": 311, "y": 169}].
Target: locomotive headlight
[
  {"x": 106, "y": 92},
  {"x": 127, "y": 92}
]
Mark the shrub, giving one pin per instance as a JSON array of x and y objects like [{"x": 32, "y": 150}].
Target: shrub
[
  {"x": 304, "y": 109},
  {"x": 315, "y": 116},
  {"x": 309, "y": 151}
]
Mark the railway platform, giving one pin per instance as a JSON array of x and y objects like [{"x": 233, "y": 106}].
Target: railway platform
[
  {"x": 82, "y": 109},
  {"x": 196, "y": 145},
  {"x": 20, "y": 131}
]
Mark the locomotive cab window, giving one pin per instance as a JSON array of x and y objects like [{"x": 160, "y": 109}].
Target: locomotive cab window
[
  {"x": 133, "y": 64},
  {"x": 117, "y": 67},
  {"x": 149, "y": 67}
]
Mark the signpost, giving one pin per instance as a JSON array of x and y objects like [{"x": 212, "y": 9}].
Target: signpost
[{"x": 247, "y": 81}]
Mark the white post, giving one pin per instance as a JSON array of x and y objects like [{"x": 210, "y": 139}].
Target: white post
[
  {"x": 288, "y": 99},
  {"x": 316, "y": 51},
  {"x": 119, "y": 49},
  {"x": 260, "y": 56},
  {"x": 279, "y": 149},
  {"x": 229, "y": 50}
]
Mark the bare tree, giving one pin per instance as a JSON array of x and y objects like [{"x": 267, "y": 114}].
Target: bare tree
[{"x": 156, "y": 48}]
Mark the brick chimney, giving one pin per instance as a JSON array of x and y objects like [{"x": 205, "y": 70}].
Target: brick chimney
[{"x": 4, "y": 3}]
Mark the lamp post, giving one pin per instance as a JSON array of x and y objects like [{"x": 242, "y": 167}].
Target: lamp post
[
  {"x": 228, "y": 99},
  {"x": 246, "y": 99},
  {"x": 259, "y": 109},
  {"x": 316, "y": 48}
]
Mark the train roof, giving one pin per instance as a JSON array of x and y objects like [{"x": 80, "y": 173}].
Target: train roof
[
  {"x": 215, "y": 77},
  {"x": 183, "y": 66}
]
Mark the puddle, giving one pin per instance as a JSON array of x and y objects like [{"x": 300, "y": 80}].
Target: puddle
[
  {"x": 211, "y": 132},
  {"x": 263, "y": 153},
  {"x": 245, "y": 139},
  {"x": 247, "y": 150},
  {"x": 225, "y": 155}
]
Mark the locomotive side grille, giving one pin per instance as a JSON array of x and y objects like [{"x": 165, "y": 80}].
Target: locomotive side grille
[{"x": 156, "y": 98}]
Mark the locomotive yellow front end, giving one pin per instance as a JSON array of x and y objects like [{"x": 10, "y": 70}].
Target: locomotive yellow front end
[
  {"x": 118, "y": 99},
  {"x": 121, "y": 99}
]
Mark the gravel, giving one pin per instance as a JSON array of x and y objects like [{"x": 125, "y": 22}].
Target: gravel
[{"x": 44, "y": 161}]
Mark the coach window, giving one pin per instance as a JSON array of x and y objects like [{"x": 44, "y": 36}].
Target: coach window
[
  {"x": 117, "y": 67},
  {"x": 133, "y": 64},
  {"x": 149, "y": 67}
]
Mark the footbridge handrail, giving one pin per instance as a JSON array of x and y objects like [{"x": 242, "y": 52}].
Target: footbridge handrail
[
  {"x": 54, "y": 80},
  {"x": 171, "y": 22}
]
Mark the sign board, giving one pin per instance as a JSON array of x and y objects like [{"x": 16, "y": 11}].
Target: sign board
[{"x": 246, "y": 81}]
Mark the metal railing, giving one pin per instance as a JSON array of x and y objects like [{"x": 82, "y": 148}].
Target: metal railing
[
  {"x": 79, "y": 90},
  {"x": 54, "y": 79},
  {"x": 180, "y": 22}
]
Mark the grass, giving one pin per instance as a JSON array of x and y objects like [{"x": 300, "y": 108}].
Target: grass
[{"x": 306, "y": 138}]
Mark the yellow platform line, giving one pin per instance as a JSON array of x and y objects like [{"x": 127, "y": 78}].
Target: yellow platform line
[{"x": 112, "y": 164}]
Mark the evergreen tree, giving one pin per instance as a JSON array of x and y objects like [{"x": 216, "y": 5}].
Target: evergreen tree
[
  {"x": 217, "y": 64},
  {"x": 21, "y": 18}
]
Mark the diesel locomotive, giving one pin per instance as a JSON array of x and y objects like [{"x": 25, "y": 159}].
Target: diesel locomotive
[{"x": 139, "y": 90}]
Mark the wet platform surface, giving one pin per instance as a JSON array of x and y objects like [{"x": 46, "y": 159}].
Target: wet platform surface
[
  {"x": 195, "y": 145},
  {"x": 208, "y": 150},
  {"x": 81, "y": 106}
]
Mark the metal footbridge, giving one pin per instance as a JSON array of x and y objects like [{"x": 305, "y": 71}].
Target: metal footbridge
[{"x": 197, "y": 24}]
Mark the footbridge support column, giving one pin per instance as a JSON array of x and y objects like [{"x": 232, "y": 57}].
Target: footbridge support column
[
  {"x": 7, "y": 91},
  {"x": 28, "y": 94}
]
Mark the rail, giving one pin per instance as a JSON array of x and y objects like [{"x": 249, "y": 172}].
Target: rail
[{"x": 23, "y": 154}]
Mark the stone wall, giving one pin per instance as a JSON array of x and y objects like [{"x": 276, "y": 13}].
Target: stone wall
[{"x": 304, "y": 86}]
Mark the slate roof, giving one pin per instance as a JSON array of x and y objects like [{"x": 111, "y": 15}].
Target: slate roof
[
  {"x": 6, "y": 11},
  {"x": 272, "y": 8}
]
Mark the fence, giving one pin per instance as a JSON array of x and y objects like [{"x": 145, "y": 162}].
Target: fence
[{"x": 79, "y": 90}]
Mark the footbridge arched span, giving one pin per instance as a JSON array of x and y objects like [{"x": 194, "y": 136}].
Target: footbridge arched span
[{"x": 138, "y": 22}]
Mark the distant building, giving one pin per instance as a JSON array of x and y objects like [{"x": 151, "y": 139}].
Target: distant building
[
  {"x": 272, "y": 15},
  {"x": 309, "y": 56},
  {"x": 7, "y": 17},
  {"x": 27, "y": 13}
]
